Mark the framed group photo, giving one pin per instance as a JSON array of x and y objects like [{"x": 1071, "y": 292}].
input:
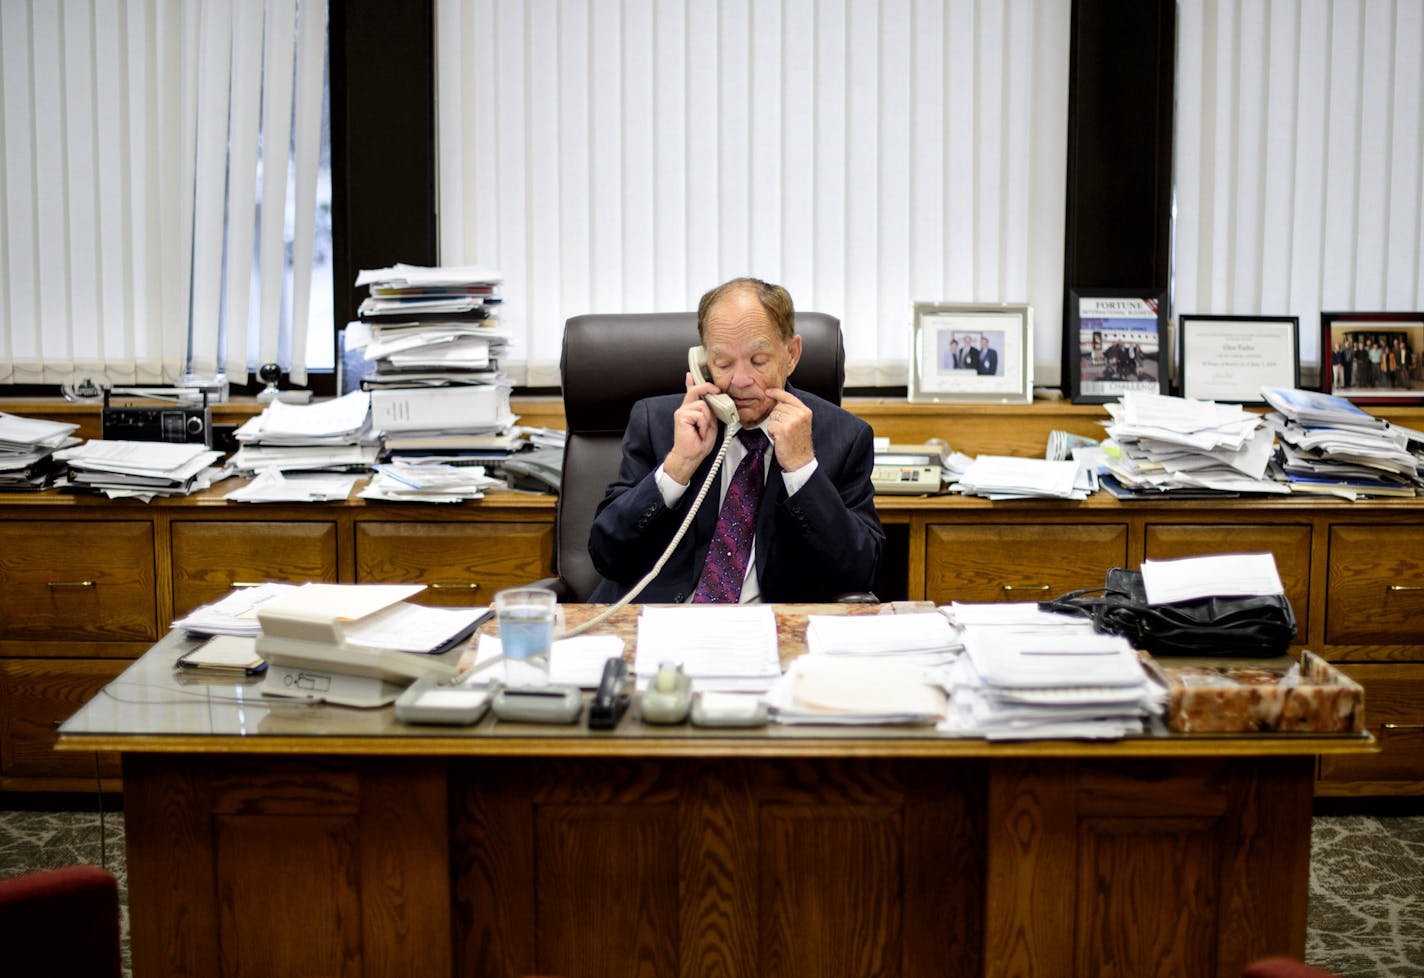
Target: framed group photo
[
  {"x": 1230, "y": 358},
  {"x": 1115, "y": 342},
  {"x": 971, "y": 352},
  {"x": 1373, "y": 357}
]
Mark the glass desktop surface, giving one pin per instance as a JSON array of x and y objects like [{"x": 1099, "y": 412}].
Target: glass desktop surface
[{"x": 155, "y": 706}]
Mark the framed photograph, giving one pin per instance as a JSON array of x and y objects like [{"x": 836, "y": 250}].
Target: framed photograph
[
  {"x": 971, "y": 352},
  {"x": 1120, "y": 340},
  {"x": 1230, "y": 358},
  {"x": 1373, "y": 357}
]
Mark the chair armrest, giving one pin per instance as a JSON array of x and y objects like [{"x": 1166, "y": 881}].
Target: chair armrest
[
  {"x": 857, "y": 597},
  {"x": 562, "y": 591}
]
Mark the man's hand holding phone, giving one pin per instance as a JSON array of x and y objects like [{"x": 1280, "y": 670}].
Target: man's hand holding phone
[{"x": 694, "y": 432}]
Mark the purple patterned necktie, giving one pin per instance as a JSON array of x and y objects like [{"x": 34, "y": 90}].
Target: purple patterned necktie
[{"x": 731, "y": 546}]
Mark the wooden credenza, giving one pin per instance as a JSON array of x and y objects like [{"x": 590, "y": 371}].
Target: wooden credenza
[
  {"x": 86, "y": 585},
  {"x": 269, "y": 838}
]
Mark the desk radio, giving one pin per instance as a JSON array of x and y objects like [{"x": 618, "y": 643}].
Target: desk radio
[{"x": 178, "y": 423}]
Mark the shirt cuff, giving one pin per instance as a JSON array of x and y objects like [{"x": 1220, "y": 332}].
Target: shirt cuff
[
  {"x": 795, "y": 480},
  {"x": 669, "y": 487}
]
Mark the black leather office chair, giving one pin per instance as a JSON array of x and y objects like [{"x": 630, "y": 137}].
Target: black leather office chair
[{"x": 611, "y": 361}]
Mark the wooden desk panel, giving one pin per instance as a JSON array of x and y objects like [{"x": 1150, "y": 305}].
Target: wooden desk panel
[{"x": 688, "y": 866}]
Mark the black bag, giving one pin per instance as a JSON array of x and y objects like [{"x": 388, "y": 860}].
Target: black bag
[{"x": 1248, "y": 625}]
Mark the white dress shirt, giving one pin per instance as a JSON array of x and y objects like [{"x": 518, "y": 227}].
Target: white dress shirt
[{"x": 672, "y": 493}]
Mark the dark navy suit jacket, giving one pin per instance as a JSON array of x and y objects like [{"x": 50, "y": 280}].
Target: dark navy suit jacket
[{"x": 821, "y": 542}]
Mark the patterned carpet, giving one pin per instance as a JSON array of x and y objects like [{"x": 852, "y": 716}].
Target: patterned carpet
[{"x": 1366, "y": 917}]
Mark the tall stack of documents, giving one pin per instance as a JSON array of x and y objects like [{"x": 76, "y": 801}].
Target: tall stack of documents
[
  {"x": 1328, "y": 445},
  {"x": 306, "y": 452},
  {"x": 1027, "y": 673},
  {"x": 27, "y": 447},
  {"x": 141, "y": 469},
  {"x": 433, "y": 339},
  {"x": 1185, "y": 447}
]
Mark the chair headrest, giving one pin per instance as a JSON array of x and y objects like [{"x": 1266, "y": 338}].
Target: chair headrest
[{"x": 611, "y": 361}]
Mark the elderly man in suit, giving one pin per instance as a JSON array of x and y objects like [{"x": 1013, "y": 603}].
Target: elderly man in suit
[
  {"x": 988, "y": 357},
  {"x": 791, "y": 516}
]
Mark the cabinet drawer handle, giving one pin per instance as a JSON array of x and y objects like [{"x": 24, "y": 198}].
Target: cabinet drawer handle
[
  {"x": 1402, "y": 726},
  {"x": 1403, "y": 587},
  {"x": 1025, "y": 587},
  {"x": 66, "y": 584},
  {"x": 245, "y": 584},
  {"x": 454, "y": 587}
]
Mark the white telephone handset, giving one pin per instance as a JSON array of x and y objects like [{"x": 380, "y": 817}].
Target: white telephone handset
[{"x": 722, "y": 405}]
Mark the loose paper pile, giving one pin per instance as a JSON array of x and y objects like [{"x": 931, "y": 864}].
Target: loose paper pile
[
  {"x": 27, "y": 447},
  {"x": 1008, "y": 477},
  {"x": 1027, "y": 673},
  {"x": 326, "y": 436},
  {"x": 428, "y": 483},
  {"x": 1327, "y": 445},
  {"x": 868, "y": 669},
  {"x": 235, "y": 613},
  {"x": 726, "y": 648},
  {"x": 1180, "y": 445},
  {"x": 142, "y": 469}
]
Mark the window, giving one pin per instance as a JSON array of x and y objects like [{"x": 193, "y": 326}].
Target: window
[
  {"x": 627, "y": 156},
  {"x": 139, "y": 142},
  {"x": 1300, "y": 159}
]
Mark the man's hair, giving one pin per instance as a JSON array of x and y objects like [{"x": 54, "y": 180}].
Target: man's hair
[{"x": 773, "y": 298}]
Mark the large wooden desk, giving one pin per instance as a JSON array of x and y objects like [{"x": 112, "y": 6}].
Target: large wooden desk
[{"x": 269, "y": 838}]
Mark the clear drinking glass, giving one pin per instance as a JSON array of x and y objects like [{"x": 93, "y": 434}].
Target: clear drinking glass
[{"x": 526, "y": 630}]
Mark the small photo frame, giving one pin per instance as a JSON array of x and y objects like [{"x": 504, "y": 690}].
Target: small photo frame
[
  {"x": 1120, "y": 339},
  {"x": 971, "y": 352},
  {"x": 1230, "y": 358},
  {"x": 1373, "y": 357}
]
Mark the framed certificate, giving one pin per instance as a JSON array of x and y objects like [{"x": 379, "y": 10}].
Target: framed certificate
[
  {"x": 1230, "y": 358},
  {"x": 1119, "y": 337},
  {"x": 973, "y": 352}
]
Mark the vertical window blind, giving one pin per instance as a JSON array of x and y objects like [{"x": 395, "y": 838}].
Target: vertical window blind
[
  {"x": 627, "y": 155},
  {"x": 1299, "y": 159},
  {"x": 143, "y": 143}
]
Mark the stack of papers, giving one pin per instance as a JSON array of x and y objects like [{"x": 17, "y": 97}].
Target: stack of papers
[
  {"x": 1028, "y": 673},
  {"x": 576, "y": 661},
  {"x": 432, "y": 342},
  {"x": 325, "y": 436},
  {"x": 1008, "y": 477},
  {"x": 27, "y": 447},
  {"x": 723, "y": 648},
  {"x": 141, "y": 469},
  {"x": 273, "y": 486},
  {"x": 235, "y": 613},
  {"x": 432, "y": 483},
  {"x": 925, "y": 639},
  {"x": 1327, "y": 445},
  {"x": 1180, "y": 445},
  {"x": 1190, "y": 578},
  {"x": 856, "y": 690}
]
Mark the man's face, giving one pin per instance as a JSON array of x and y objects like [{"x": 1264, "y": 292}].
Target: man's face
[
  {"x": 746, "y": 355},
  {"x": 983, "y": 342}
]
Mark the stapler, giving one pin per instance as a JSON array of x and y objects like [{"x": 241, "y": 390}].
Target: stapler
[{"x": 610, "y": 702}]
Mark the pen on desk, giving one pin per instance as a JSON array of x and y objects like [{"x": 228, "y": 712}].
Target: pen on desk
[{"x": 1070, "y": 652}]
